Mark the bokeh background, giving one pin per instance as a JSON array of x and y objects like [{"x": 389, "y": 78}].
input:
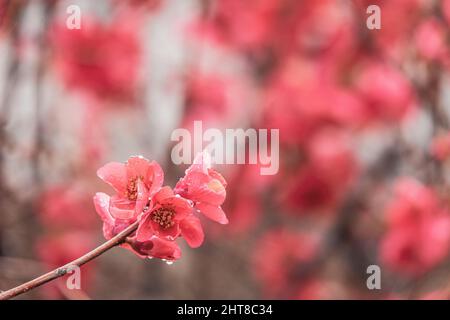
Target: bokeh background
[{"x": 364, "y": 142}]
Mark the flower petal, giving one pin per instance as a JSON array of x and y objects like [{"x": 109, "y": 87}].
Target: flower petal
[
  {"x": 216, "y": 175},
  {"x": 154, "y": 248},
  {"x": 115, "y": 174},
  {"x": 101, "y": 203},
  {"x": 192, "y": 231},
  {"x": 213, "y": 212},
  {"x": 182, "y": 207},
  {"x": 142, "y": 197},
  {"x": 163, "y": 193},
  {"x": 198, "y": 186},
  {"x": 156, "y": 177},
  {"x": 144, "y": 231},
  {"x": 202, "y": 162},
  {"x": 121, "y": 208},
  {"x": 137, "y": 166},
  {"x": 164, "y": 249}
]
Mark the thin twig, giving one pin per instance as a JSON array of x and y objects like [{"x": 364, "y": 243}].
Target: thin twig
[{"x": 59, "y": 272}]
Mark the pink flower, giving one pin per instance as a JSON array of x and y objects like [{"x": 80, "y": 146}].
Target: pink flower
[
  {"x": 163, "y": 215},
  {"x": 170, "y": 216},
  {"x": 135, "y": 182},
  {"x": 205, "y": 187},
  {"x": 151, "y": 246},
  {"x": 418, "y": 230}
]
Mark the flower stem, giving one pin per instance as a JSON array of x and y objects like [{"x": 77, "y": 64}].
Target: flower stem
[{"x": 59, "y": 272}]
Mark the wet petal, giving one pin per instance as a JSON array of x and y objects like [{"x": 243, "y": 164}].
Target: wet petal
[
  {"x": 101, "y": 203},
  {"x": 165, "y": 249},
  {"x": 121, "y": 208},
  {"x": 155, "y": 177},
  {"x": 144, "y": 231},
  {"x": 142, "y": 197},
  {"x": 115, "y": 174}
]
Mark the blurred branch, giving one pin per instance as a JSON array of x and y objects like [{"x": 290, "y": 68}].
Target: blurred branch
[
  {"x": 59, "y": 272},
  {"x": 20, "y": 268}
]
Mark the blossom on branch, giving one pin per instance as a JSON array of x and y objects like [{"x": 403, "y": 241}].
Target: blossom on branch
[{"x": 163, "y": 214}]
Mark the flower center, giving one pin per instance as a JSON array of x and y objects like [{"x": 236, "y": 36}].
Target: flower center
[
  {"x": 215, "y": 186},
  {"x": 163, "y": 217},
  {"x": 131, "y": 192}
]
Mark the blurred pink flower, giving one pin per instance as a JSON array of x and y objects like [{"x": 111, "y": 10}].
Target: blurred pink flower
[
  {"x": 418, "y": 230},
  {"x": 398, "y": 18},
  {"x": 101, "y": 60},
  {"x": 298, "y": 98},
  {"x": 215, "y": 99},
  {"x": 440, "y": 147},
  {"x": 430, "y": 39},
  {"x": 232, "y": 16},
  {"x": 65, "y": 207},
  {"x": 317, "y": 185},
  {"x": 446, "y": 10},
  {"x": 277, "y": 254},
  {"x": 56, "y": 250},
  {"x": 277, "y": 26},
  {"x": 205, "y": 187},
  {"x": 397, "y": 98}
]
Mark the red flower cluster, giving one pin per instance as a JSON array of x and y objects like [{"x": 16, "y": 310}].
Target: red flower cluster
[
  {"x": 163, "y": 214},
  {"x": 101, "y": 60},
  {"x": 418, "y": 235}
]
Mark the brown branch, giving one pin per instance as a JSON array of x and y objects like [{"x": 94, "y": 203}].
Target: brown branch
[{"x": 59, "y": 272}]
